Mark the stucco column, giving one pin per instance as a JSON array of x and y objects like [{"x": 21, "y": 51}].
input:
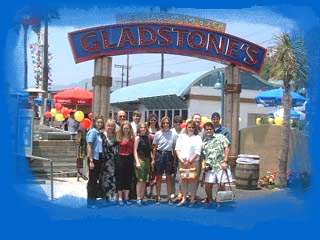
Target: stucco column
[
  {"x": 101, "y": 82},
  {"x": 232, "y": 107}
]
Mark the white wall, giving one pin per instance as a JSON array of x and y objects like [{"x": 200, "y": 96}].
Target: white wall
[{"x": 207, "y": 107}]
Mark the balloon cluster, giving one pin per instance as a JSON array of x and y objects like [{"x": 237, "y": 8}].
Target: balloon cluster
[
  {"x": 60, "y": 113},
  {"x": 270, "y": 120}
]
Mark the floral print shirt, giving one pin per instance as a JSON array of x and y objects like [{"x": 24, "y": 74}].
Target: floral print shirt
[{"x": 213, "y": 150}]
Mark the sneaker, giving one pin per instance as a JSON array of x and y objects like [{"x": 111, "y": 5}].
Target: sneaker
[
  {"x": 170, "y": 201},
  {"x": 121, "y": 202},
  {"x": 158, "y": 201},
  {"x": 139, "y": 203},
  {"x": 128, "y": 202}
]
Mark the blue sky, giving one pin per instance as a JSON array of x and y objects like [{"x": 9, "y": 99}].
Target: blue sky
[{"x": 256, "y": 24}]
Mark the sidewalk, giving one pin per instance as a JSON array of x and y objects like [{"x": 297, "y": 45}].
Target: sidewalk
[{"x": 70, "y": 192}]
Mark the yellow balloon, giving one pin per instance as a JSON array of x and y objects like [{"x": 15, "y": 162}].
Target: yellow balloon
[
  {"x": 78, "y": 116},
  {"x": 53, "y": 111},
  {"x": 278, "y": 121},
  {"x": 59, "y": 117},
  {"x": 270, "y": 120},
  {"x": 258, "y": 121},
  {"x": 205, "y": 120}
]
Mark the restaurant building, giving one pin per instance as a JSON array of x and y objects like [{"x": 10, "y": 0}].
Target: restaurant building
[{"x": 184, "y": 95}]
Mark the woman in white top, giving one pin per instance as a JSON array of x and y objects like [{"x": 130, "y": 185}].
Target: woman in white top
[{"x": 188, "y": 148}]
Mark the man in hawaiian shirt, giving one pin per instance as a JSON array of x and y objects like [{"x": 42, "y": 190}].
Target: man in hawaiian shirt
[{"x": 214, "y": 156}]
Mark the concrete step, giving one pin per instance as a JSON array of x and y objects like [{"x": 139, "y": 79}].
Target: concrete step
[
  {"x": 59, "y": 156},
  {"x": 55, "y": 143},
  {"x": 55, "y": 164}
]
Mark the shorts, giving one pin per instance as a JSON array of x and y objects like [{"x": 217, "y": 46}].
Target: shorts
[
  {"x": 213, "y": 176},
  {"x": 142, "y": 173},
  {"x": 164, "y": 163}
]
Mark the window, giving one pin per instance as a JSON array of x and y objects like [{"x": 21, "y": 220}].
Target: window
[
  {"x": 162, "y": 114},
  {"x": 157, "y": 113},
  {"x": 184, "y": 114},
  {"x": 176, "y": 113},
  {"x": 130, "y": 114},
  {"x": 169, "y": 114}
]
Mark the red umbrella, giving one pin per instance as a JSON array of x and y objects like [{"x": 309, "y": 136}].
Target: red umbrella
[{"x": 74, "y": 96}]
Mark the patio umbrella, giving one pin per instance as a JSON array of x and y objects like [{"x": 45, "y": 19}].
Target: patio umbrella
[
  {"x": 273, "y": 98},
  {"x": 74, "y": 96},
  {"x": 293, "y": 114}
]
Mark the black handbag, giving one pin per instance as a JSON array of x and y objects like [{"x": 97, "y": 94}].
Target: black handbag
[{"x": 225, "y": 195}]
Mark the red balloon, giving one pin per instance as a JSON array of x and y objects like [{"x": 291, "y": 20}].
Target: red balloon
[
  {"x": 90, "y": 115},
  {"x": 85, "y": 123},
  {"x": 65, "y": 112},
  {"x": 183, "y": 125},
  {"x": 58, "y": 106},
  {"x": 48, "y": 114}
]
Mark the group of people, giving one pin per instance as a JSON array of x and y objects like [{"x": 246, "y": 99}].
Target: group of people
[{"x": 126, "y": 160}]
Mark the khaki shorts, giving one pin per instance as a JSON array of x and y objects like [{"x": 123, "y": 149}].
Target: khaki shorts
[{"x": 215, "y": 176}]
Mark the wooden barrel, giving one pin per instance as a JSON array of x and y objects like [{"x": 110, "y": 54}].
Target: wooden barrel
[{"x": 247, "y": 171}]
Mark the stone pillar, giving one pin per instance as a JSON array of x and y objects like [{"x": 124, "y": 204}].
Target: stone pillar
[
  {"x": 232, "y": 108},
  {"x": 101, "y": 82}
]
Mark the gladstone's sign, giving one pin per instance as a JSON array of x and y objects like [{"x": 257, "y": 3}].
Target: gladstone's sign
[{"x": 155, "y": 37}]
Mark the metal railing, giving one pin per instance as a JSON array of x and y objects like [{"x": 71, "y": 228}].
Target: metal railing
[{"x": 31, "y": 157}]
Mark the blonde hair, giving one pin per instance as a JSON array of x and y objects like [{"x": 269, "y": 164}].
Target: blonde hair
[
  {"x": 112, "y": 124},
  {"x": 193, "y": 124},
  {"x": 163, "y": 119},
  {"x": 120, "y": 133},
  {"x": 139, "y": 126}
]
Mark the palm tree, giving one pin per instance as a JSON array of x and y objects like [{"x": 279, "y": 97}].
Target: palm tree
[{"x": 289, "y": 64}]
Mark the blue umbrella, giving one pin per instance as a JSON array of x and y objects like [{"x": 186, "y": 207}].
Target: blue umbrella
[
  {"x": 273, "y": 98},
  {"x": 293, "y": 114}
]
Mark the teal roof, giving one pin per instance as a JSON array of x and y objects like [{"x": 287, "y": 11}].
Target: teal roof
[{"x": 178, "y": 85}]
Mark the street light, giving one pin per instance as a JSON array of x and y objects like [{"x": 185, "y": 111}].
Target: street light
[{"x": 220, "y": 85}]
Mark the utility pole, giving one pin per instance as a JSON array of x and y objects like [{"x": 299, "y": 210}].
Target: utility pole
[
  {"x": 122, "y": 71},
  {"x": 162, "y": 65},
  {"x": 123, "y": 67},
  {"x": 127, "y": 70}
]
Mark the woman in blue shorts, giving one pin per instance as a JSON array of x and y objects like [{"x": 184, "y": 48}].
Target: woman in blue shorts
[{"x": 163, "y": 151}]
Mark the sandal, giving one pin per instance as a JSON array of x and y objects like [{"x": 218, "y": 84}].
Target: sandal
[{"x": 182, "y": 202}]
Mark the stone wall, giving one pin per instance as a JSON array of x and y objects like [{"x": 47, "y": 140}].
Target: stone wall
[{"x": 264, "y": 140}]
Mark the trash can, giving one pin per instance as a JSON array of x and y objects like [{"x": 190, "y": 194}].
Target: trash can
[{"x": 247, "y": 171}]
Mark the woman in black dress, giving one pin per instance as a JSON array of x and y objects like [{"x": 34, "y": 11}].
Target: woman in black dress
[{"x": 110, "y": 155}]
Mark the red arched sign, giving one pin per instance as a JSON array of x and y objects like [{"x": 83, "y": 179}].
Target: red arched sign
[{"x": 155, "y": 37}]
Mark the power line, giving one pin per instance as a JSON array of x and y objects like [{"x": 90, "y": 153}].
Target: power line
[{"x": 123, "y": 67}]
